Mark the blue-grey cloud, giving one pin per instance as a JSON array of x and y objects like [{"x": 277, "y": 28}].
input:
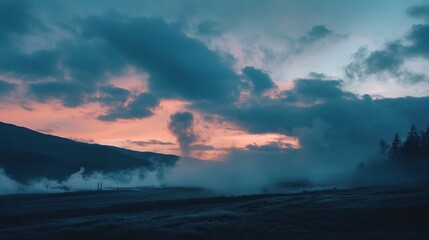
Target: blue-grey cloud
[
  {"x": 259, "y": 80},
  {"x": 330, "y": 123},
  {"x": 6, "y": 87},
  {"x": 315, "y": 34},
  {"x": 182, "y": 126},
  {"x": 269, "y": 147},
  {"x": 179, "y": 67},
  {"x": 71, "y": 94},
  {"x": 208, "y": 29},
  {"x": 30, "y": 66},
  {"x": 383, "y": 61},
  {"x": 392, "y": 58},
  {"x": 310, "y": 91},
  {"x": 90, "y": 49},
  {"x": 419, "y": 37},
  {"x": 419, "y": 11},
  {"x": 17, "y": 19},
  {"x": 151, "y": 142},
  {"x": 141, "y": 106},
  {"x": 75, "y": 70},
  {"x": 110, "y": 95},
  {"x": 201, "y": 147}
]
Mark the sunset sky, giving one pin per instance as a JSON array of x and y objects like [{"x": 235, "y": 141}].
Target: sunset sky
[{"x": 217, "y": 79}]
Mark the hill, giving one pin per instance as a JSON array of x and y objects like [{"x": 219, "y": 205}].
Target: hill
[{"x": 26, "y": 154}]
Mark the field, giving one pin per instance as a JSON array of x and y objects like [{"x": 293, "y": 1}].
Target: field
[{"x": 186, "y": 213}]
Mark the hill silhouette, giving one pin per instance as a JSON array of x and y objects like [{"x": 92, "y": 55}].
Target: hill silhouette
[{"x": 26, "y": 154}]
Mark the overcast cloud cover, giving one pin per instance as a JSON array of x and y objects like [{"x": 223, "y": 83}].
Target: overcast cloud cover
[{"x": 336, "y": 75}]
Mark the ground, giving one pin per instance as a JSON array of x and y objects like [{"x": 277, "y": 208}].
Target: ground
[{"x": 185, "y": 213}]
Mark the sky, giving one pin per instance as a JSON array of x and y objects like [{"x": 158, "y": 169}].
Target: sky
[{"x": 292, "y": 80}]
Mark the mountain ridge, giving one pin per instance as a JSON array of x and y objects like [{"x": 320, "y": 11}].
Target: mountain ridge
[{"x": 26, "y": 154}]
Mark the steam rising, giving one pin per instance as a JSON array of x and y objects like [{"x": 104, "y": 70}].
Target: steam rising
[
  {"x": 79, "y": 181},
  {"x": 182, "y": 126}
]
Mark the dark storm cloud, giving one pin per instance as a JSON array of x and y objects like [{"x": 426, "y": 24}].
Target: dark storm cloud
[
  {"x": 6, "y": 87},
  {"x": 179, "y": 67},
  {"x": 182, "y": 126},
  {"x": 141, "y": 106},
  {"x": 259, "y": 80}
]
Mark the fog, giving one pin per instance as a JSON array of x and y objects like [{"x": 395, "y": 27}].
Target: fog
[{"x": 79, "y": 181}]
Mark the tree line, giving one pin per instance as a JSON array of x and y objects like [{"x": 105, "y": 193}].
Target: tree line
[{"x": 413, "y": 150}]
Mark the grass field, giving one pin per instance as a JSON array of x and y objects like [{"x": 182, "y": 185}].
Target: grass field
[{"x": 185, "y": 213}]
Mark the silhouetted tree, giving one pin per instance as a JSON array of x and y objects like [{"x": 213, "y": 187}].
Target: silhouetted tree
[
  {"x": 395, "y": 148},
  {"x": 383, "y": 148},
  {"x": 411, "y": 148},
  {"x": 424, "y": 145}
]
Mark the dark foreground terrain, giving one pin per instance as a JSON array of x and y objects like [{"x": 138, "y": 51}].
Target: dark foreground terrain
[{"x": 181, "y": 213}]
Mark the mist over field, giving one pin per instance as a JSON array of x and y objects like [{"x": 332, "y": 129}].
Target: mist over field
[{"x": 216, "y": 119}]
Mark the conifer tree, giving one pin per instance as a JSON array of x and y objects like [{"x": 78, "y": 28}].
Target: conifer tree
[
  {"x": 383, "y": 148},
  {"x": 424, "y": 145},
  {"x": 395, "y": 148},
  {"x": 411, "y": 148}
]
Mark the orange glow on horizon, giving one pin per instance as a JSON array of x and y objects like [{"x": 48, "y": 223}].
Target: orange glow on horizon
[{"x": 81, "y": 124}]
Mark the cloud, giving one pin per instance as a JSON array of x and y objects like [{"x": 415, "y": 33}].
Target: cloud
[
  {"x": 77, "y": 65},
  {"x": 32, "y": 66},
  {"x": 269, "y": 147},
  {"x": 383, "y": 61},
  {"x": 310, "y": 91},
  {"x": 315, "y": 34},
  {"x": 110, "y": 95},
  {"x": 72, "y": 59},
  {"x": 332, "y": 125},
  {"x": 70, "y": 93},
  {"x": 151, "y": 142},
  {"x": 201, "y": 147},
  {"x": 392, "y": 58},
  {"x": 141, "y": 106},
  {"x": 179, "y": 67},
  {"x": 16, "y": 19},
  {"x": 419, "y": 11},
  {"x": 419, "y": 37},
  {"x": 259, "y": 80},
  {"x": 6, "y": 87},
  {"x": 182, "y": 126},
  {"x": 208, "y": 29}
]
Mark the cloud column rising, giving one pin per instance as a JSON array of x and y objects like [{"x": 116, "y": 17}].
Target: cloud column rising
[{"x": 182, "y": 126}]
